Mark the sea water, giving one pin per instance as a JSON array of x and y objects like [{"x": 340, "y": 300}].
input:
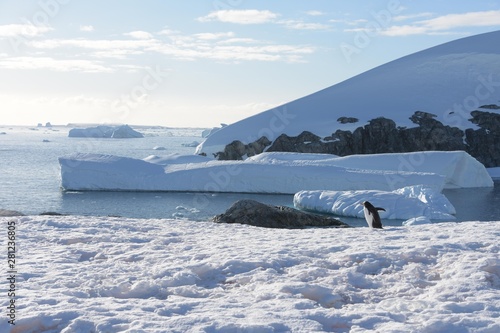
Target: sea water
[{"x": 30, "y": 179}]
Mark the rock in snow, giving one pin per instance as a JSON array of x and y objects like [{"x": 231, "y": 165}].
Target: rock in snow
[
  {"x": 116, "y": 132},
  {"x": 258, "y": 214},
  {"x": 273, "y": 173},
  {"x": 447, "y": 82}
]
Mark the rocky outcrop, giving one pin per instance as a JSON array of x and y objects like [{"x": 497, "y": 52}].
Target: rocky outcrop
[
  {"x": 306, "y": 142},
  {"x": 261, "y": 215},
  {"x": 237, "y": 150},
  {"x": 382, "y": 135},
  {"x": 484, "y": 143}
]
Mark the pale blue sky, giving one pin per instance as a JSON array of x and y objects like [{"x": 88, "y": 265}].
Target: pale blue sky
[{"x": 200, "y": 63}]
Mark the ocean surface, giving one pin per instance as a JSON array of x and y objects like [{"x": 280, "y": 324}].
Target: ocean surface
[{"x": 30, "y": 179}]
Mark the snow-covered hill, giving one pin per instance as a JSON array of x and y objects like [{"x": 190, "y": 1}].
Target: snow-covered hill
[{"x": 448, "y": 80}]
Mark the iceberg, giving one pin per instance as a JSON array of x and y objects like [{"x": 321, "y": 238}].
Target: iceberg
[
  {"x": 115, "y": 132},
  {"x": 401, "y": 204},
  {"x": 285, "y": 173}
]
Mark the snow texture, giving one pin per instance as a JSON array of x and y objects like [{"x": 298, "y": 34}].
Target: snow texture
[
  {"x": 402, "y": 204},
  {"x": 98, "y": 274},
  {"x": 273, "y": 172},
  {"x": 448, "y": 80}
]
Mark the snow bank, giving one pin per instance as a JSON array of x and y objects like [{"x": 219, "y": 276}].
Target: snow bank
[
  {"x": 401, "y": 204},
  {"x": 116, "y": 132},
  {"x": 200, "y": 174},
  {"x": 91, "y": 274}
]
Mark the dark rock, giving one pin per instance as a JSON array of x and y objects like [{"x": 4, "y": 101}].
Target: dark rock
[
  {"x": 8, "y": 213},
  {"x": 305, "y": 142},
  {"x": 51, "y": 214},
  {"x": 490, "y": 106},
  {"x": 484, "y": 143},
  {"x": 261, "y": 215},
  {"x": 237, "y": 149},
  {"x": 347, "y": 120},
  {"x": 382, "y": 135}
]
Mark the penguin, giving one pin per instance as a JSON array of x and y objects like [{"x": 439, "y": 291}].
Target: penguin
[{"x": 371, "y": 215}]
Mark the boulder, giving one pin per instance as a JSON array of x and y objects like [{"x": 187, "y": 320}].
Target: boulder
[
  {"x": 9, "y": 213},
  {"x": 261, "y": 215}
]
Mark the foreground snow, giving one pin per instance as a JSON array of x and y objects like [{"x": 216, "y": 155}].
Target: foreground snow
[
  {"x": 90, "y": 274},
  {"x": 401, "y": 204},
  {"x": 273, "y": 172}
]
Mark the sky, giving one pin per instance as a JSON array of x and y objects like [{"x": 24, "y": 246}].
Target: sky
[{"x": 201, "y": 63}]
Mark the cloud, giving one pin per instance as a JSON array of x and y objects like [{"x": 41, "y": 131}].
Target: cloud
[
  {"x": 411, "y": 16},
  {"x": 444, "y": 24},
  {"x": 168, "y": 32},
  {"x": 300, "y": 25},
  {"x": 315, "y": 13},
  {"x": 221, "y": 47},
  {"x": 212, "y": 36},
  {"x": 25, "y": 30},
  {"x": 248, "y": 16},
  {"x": 139, "y": 35},
  {"x": 48, "y": 63},
  {"x": 472, "y": 19},
  {"x": 86, "y": 28}
]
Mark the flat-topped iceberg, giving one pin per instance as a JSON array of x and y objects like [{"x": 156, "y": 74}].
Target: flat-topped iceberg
[
  {"x": 115, "y": 132},
  {"x": 401, "y": 204},
  {"x": 272, "y": 172}
]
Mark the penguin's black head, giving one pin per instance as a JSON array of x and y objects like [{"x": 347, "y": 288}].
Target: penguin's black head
[{"x": 367, "y": 204}]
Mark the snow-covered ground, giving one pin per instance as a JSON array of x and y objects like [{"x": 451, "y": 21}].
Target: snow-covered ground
[
  {"x": 273, "y": 172},
  {"x": 103, "y": 274}
]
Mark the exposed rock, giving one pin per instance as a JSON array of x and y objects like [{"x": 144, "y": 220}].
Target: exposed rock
[
  {"x": 236, "y": 150},
  {"x": 51, "y": 214},
  {"x": 306, "y": 142},
  {"x": 261, "y": 215},
  {"x": 484, "y": 143},
  {"x": 347, "y": 120},
  {"x": 490, "y": 106},
  {"x": 7, "y": 213},
  {"x": 381, "y": 135}
]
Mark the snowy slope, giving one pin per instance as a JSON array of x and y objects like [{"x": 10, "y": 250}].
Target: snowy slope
[
  {"x": 457, "y": 77},
  {"x": 92, "y": 274}
]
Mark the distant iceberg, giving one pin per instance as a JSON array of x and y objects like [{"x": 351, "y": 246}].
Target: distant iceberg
[
  {"x": 286, "y": 173},
  {"x": 115, "y": 132}
]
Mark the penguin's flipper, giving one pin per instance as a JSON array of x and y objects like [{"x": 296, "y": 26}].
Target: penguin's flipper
[{"x": 379, "y": 208}]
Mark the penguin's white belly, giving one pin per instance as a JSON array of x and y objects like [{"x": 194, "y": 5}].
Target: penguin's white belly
[{"x": 368, "y": 217}]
